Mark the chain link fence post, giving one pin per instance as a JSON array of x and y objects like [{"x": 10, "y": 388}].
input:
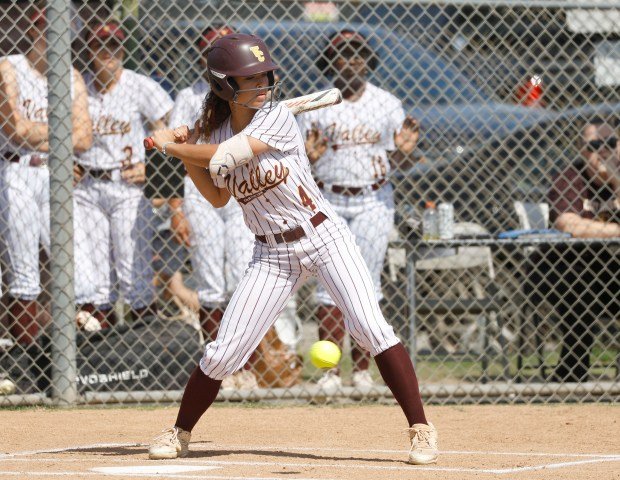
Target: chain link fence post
[{"x": 61, "y": 203}]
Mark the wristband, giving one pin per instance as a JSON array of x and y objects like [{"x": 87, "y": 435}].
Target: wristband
[{"x": 163, "y": 147}]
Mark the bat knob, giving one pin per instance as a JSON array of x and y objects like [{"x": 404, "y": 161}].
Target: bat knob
[{"x": 148, "y": 143}]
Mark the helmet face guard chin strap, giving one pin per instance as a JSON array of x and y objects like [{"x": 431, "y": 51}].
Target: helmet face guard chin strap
[{"x": 273, "y": 95}]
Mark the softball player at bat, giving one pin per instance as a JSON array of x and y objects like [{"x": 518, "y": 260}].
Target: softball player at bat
[
  {"x": 256, "y": 154},
  {"x": 24, "y": 177},
  {"x": 110, "y": 192},
  {"x": 221, "y": 246},
  {"x": 348, "y": 145}
]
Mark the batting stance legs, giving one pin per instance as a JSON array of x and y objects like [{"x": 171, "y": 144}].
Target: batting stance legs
[{"x": 276, "y": 272}]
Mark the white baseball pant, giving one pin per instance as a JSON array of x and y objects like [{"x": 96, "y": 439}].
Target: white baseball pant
[
  {"x": 370, "y": 218},
  {"x": 25, "y": 226},
  {"x": 221, "y": 247},
  {"x": 275, "y": 273},
  {"x": 120, "y": 229}
]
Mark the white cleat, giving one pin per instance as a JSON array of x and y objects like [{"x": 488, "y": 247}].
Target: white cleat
[
  {"x": 246, "y": 380},
  {"x": 171, "y": 443},
  {"x": 424, "y": 449},
  {"x": 229, "y": 383},
  {"x": 330, "y": 382},
  {"x": 362, "y": 379}
]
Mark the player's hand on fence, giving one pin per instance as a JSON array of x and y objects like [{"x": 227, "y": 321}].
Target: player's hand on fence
[
  {"x": 407, "y": 138},
  {"x": 180, "y": 227},
  {"x": 316, "y": 143},
  {"x": 133, "y": 172}
]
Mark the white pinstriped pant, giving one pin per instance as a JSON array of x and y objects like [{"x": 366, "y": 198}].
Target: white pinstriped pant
[{"x": 275, "y": 273}]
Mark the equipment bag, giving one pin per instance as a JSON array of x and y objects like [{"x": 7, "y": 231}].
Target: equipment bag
[{"x": 151, "y": 355}]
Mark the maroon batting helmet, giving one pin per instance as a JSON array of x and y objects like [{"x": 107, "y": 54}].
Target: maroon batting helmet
[
  {"x": 340, "y": 40},
  {"x": 237, "y": 55},
  {"x": 212, "y": 33}
]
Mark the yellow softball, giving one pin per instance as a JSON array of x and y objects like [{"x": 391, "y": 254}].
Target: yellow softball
[{"x": 324, "y": 354}]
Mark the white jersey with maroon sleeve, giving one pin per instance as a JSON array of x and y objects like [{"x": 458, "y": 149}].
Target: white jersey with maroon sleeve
[
  {"x": 118, "y": 119},
  {"x": 359, "y": 135},
  {"x": 275, "y": 189}
]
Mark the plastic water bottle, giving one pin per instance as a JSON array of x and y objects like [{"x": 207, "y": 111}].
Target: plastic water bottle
[{"x": 430, "y": 224}]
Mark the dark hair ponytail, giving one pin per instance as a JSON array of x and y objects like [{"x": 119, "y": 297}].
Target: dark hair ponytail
[{"x": 215, "y": 111}]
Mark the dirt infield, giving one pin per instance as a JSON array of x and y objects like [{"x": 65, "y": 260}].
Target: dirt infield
[{"x": 328, "y": 442}]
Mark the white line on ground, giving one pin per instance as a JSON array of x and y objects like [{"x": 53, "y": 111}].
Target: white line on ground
[
  {"x": 555, "y": 465},
  {"x": 167, "y": 475},
  {"x": 211, "y": 446},
  {"x": 354, "y": 466},
  {"x": 595, "y": 458},
  {"x": 66, "y": 449}
]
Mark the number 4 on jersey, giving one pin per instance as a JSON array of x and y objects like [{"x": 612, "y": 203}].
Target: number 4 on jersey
[{"x": 306, "y": 201}]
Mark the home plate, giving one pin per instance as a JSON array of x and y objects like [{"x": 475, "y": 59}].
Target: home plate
[{"x": 151, "y": 469}]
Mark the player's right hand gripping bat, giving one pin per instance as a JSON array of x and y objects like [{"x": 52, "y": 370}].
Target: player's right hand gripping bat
[{"x": 297, "y": 105}]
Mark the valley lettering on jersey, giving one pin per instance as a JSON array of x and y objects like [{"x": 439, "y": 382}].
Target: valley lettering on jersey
[
  {"x": 33, "y": 113},
  {"x": 340, "y": 136},
  {"x": 257, "y": 183},
  {"x": 108, "y": 125}
]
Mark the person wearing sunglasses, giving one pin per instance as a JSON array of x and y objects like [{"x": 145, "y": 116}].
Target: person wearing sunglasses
[{"x": 582, "y": 282}]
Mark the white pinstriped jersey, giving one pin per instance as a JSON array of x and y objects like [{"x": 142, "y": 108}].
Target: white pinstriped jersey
[
  {"x": 118, "y": 119},
  {"x": 359, "y": 135},
  {"x": 275, "y": 189},
  {"x": 186, "y": 110},
  {"x": 31, "y": 104},
  {"x": 187, "y": 105}
]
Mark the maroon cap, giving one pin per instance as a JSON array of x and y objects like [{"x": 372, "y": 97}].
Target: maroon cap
[
  {"x": 347, "y": 36},
  {"x": 211, "y": 34},
  {"x": 106, "y": 31},
  {"x": 339, "y": 41},
  {"x": 37, "y": 17}
]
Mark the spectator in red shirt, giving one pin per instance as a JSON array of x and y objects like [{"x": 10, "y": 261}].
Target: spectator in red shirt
[{"x": 582, "y": 282}]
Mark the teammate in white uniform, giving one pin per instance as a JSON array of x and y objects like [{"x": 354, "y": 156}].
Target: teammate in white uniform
[
  {"x": 24, "y": 177},
  {"x": 221, "y": 245},
  {"x": 260, "y": 150},
  {"x": 348, "y": 145},
  {"x": 119, "y": 222}
]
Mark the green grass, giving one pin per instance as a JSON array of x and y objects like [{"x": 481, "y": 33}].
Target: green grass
[{"x": 467, "y": 367}]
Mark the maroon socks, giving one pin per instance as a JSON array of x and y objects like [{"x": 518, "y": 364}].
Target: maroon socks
[
  {"x": 398, "y": 374},
  {"x": 200, "y": 393}
]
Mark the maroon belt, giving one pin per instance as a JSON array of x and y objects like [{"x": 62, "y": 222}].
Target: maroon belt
[
  {"x": 352, "y": 191},
  {"x": 35, "y": 160},
  {"x": 294, "y": 233}
]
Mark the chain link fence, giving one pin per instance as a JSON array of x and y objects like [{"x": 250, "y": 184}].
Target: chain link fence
[{"x": 514, "y": 110}]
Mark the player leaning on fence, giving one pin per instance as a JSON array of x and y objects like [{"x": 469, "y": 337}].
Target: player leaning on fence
[{"x": 256, "y": 154}]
